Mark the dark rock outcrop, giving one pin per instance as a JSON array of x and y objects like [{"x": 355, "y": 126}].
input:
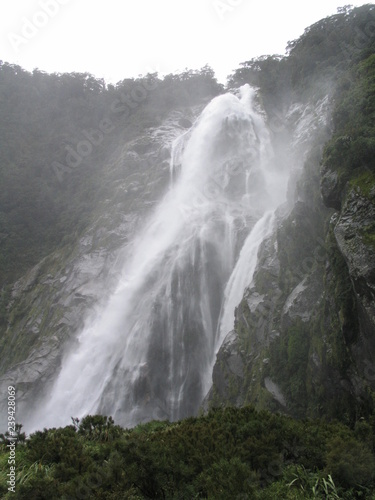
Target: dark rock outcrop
[{"x": 305, "y": 327}]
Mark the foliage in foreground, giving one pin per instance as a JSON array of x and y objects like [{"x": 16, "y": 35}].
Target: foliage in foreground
[{"x": 229, "y": 453}]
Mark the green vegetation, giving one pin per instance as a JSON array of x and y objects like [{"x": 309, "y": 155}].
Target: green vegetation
[
  {"x": 42, "y": 115},
  {"x": 43, "y": 120},
  {"x": 289, "y": 365},
  {"x": 51, "y": 194},
  {"x": 351, "y": 151},
  {"x": 365, "y": 183},
  {"x": 312, "y": 360},
  {"x": 315, "y": 62},
  {"x": 229, "y": 453}
]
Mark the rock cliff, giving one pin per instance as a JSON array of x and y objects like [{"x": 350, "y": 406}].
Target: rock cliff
[{"x": 303, "y": 340}]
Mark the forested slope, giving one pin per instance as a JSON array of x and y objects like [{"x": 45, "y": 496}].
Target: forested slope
[
  {"x": 56, "y": 132},
  {"x": 303, "y": 344},
  {"x": 305, "y": 329}
]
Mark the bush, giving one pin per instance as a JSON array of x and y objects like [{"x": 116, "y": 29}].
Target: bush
[{"x": 350, "y": 462}]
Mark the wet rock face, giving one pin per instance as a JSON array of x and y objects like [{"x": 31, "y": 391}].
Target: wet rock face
[
  {"x": 295, "y": 293},
  {"x": 299, "y": 303},
  {"x": 185, "y": 123},
  {"x": 282, "y": 295},
  {"x": 306, "y": 325},
  {"x": 292, "y": 332},
  {"x": 52, "y": 302},
  {"x": 273, "y": 389},
  {"x": 330, "y": 189},
  {"x": 354, "y": 225},
  {"x": 355, "y": 220},
  {"x": 228, "y": 374},
  {"x": 30, "y": 376}
]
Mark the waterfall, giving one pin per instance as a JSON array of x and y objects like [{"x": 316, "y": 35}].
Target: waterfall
[
  {"x": 242, "y": 274},
  {"x": 150, "y": 351}
]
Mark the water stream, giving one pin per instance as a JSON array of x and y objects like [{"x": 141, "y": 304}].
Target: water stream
[{"x": 150, "y": 352}]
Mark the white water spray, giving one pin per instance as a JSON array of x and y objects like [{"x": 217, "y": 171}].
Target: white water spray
[
  {"x": 243, "y": 272},
  {"x": 148, "y": 353}
]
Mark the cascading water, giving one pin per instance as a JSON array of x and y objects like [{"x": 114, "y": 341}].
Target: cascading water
[
  {"x": 150, "y": 352},
  {"x": 243, "y": 272}
]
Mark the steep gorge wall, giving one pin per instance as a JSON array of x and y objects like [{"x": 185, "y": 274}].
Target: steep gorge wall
[
  {"x": 48, "y": 307},
  {"x": 304, "y": 333},
  {"x": 303, "y": 341}
]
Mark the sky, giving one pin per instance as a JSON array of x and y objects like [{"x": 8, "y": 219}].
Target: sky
[{"x": 115, "y": 39}]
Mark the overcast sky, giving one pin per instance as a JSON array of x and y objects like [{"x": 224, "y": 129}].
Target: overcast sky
[{"x": 116, "y": 39}]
